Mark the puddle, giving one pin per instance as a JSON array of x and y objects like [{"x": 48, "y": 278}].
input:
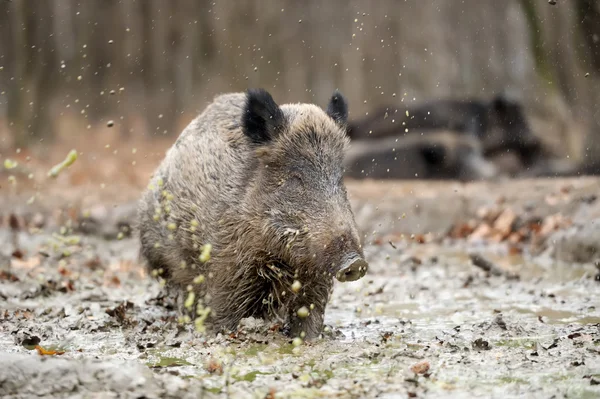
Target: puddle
[{"x": 536, "y": 336}]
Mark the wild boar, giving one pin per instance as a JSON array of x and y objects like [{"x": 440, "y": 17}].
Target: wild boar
[
  {"x": 500, "y": 123},
  {"x": 435, "y": 155},
  {"x": 263, "y": 185}
]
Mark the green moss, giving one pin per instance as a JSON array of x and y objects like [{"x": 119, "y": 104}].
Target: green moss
[
  {"x": 286, "y": 349},
  {"x": 255, "y": 349},
  {"x": 584, "y": 393},
  {"x": 583, "y": 35},
  {"x": 541, "y": 62},
  {"x": 328, "y": 374},
  {"x": 251, "y": 376},
  {"x": 589, "y": 320},
  {"x": 168, "y": 362},
  {"x": 415, "y": 347},
  {"x": 525, "y": 343},
  {"x": 215, "y": 390},
  {"x": 558, "y": 377},
  {"x": 511, "y": 380}
]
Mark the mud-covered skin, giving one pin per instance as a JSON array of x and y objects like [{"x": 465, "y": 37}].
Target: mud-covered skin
[
  {"x": 435, "y": 155},
  {"x": 263, "y": 185},
  {"x": 499, "y": 123}
]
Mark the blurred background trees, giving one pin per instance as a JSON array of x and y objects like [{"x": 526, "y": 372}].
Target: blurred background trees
[{"x": 151, "y": 65}]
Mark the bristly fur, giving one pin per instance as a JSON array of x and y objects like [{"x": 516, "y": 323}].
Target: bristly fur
[{"x": 263, "y": 185}]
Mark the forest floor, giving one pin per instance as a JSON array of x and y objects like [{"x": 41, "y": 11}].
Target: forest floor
[{"x": 474, "y": 290}]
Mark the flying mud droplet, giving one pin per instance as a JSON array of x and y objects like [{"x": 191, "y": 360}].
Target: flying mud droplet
[
  {"x": 303, "y": 312},
  {"x": 69, "y": 160}
]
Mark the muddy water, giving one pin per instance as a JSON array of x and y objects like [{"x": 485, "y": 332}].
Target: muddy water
[{"x": 480, "y": 335}]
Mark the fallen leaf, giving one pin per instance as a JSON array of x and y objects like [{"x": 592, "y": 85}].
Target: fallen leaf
[
  {"x": 504, "y": 223},
  {"x": 28, "y": 263},
  {"x": 47, "y": 352},
  {"x": 67, "y": 286},
  {"x": 482, "y": 231},
  {"x": 214, "y": 367},
  {"x": 13, "y": 222},
  {"x": 17, "y": 253},
  {"x": 8, "y": 276},
  {"x": 420, "y": 238},
  {"x": 515, "y": 238},
  {"x": 420, "y": 368},
  {"x": 514, "y": 250},
  {"x": 94, "y": 263},
  {"x": 114, "y": 281},
  {"x": 462, "y": 230}
]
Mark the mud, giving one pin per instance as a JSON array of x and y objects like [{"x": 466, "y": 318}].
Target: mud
[{"x": 425, "y": 322}]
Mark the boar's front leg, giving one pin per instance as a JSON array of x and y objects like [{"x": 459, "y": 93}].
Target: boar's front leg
[
  {"x": 307, "y": 311},
  {"x": 236, "y": 296}
]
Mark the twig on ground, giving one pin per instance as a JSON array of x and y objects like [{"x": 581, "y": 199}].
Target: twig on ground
[{"x": 490, "y": 268}]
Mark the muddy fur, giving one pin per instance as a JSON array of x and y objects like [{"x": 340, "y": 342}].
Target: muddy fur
[
  {"x": 263, "y": 185},
  {"x": 500, "y": 123},
  {"x": 433, "y": 155}
]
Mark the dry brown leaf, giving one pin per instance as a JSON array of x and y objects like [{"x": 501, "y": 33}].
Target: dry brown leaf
[
  {"x": 515, "y": 238},
  {"x": 94, "y": 263},
  {"x": 462, "y": 230},
  {"x": 420, "y": 238},
  {"x": 214, "y": 366},
  {"x": 552, "y": 223},
  {"x": 420, "y": 368},
  {"x": 505, "y": 222},
  {"x": 551, "y": 199},
  {"x": 496, "y": 236},
  {"x": 28, "y": 263},
  {"x": 514, "y": 250},
  {"x": 482, "y": 231},
  {"x": 46, "y": 352},
  {"x": 67, "y": 286},
  {"x": 8, "y": 276},
  {"x": 115, "y": 281},
  {"x": 566, "y": 189}
]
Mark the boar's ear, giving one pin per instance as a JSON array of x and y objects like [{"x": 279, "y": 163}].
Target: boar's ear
[
  {"x": 262, "y": 117},
  {"x": 338, "y": 108}
]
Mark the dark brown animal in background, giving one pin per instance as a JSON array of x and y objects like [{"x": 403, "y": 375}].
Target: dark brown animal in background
[
  {"x": 263, "y": 184},
  {"x": 436, "y": 155},
  {"x": 499, "y": 123}
]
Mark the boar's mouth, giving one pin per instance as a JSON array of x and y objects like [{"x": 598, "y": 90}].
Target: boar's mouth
[{"x": 352, "y": 269}]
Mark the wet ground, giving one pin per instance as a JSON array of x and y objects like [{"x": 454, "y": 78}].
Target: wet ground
[{"x": 478, "y": 290}]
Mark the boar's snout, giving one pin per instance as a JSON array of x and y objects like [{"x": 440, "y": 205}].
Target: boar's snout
[
  {"x": 352, "y": 269},
  {"x": 337, "y": 247}
]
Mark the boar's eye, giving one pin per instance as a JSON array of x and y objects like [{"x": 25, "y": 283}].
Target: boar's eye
[{"x": 294, "y": 181}]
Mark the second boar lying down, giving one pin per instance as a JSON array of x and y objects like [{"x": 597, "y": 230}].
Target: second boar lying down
[
  {"x": 433, "y": 155},
  {"x": 263, "y": 185}
]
